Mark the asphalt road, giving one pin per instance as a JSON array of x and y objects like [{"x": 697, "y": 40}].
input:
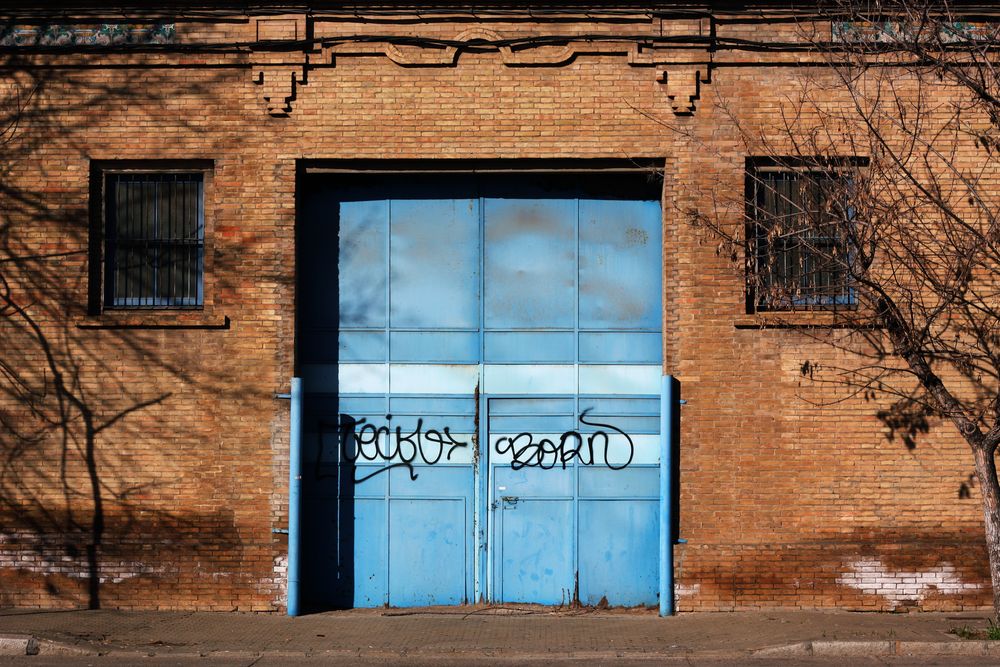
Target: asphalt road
[{"x": 281, "y": 661}]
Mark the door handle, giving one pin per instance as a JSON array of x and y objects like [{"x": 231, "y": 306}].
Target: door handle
[{"x": 509, "y": 500}]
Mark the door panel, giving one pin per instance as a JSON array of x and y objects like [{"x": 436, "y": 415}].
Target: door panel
[
  {"x": 530, "y": 263},
  {"x": 429, "y": 565},
  {"x": 619, "y": 241},
  {"x": 536, "y": 562},
  {"x": 363, "y": 245},
  {"x": 434, "y": 260},
  {"x": 370, "y": 553},
  {"x": 619, "y": 553}
]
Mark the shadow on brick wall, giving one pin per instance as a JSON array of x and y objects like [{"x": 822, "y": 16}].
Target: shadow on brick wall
[{"x": 74, "y": 487}]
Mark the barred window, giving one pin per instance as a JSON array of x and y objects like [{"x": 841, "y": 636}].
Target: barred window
[
  {"x": 154, "y": 240},
  {"x": 798, "y": 239}
]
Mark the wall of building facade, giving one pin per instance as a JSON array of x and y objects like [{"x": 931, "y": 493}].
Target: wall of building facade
[{"x": 169, "y": 418}]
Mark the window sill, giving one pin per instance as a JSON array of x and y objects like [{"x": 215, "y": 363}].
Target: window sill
[
  {"x": 843, "y": 319},
  {"x": 156, "y": 320}
]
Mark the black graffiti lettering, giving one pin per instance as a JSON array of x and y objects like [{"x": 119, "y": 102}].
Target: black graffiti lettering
[
  {"x": 345, "y": 435},
  {"x": 455, "y": 444},
  {"x": 366, "y": 442},
  {"x": 584, "y": 449},
  {"x": 434, "y": 437},
  {"x": 631, "y": 445},
  {"x": 367, "y": 477},
  {"x": 409, "y": 440},
  {"x": 361, "y": 441},
  {"x": 370, "y": 435},
  {"x": 545, "y": 454},
  {"x": 530, "y": 454}
]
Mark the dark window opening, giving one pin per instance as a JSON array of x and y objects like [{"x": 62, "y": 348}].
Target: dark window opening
[
  {"x": 799, "y": 232},
  {"x": 154, "y": 250}
]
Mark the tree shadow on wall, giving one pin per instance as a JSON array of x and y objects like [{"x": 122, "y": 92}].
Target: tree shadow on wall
[
  {"x": 907, "y": 420},
  {"x": 73, "y": 490},
  {"x": 906, "y": 411}
]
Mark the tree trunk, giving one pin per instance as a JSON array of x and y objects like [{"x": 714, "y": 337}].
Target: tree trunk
[{"x": 986, "y": 471}]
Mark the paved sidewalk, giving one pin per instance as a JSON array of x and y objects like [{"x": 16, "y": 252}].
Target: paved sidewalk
[{"x": 525, "y": 632}]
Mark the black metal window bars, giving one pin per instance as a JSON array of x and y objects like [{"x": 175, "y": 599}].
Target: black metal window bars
[
  {"x": 798, "y": 241},
  {"x": 154, "y": 240}
]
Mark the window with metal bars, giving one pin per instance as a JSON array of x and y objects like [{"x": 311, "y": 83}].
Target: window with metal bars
[
  {"x": 799, "y": 239},
  {"x": 154, "y": 240}
]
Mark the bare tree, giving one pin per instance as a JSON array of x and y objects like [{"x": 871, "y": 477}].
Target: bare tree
[{"x": 877, "y": 202}]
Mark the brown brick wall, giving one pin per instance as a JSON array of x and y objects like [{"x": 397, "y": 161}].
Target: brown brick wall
[{"x": 784, "y": 503}]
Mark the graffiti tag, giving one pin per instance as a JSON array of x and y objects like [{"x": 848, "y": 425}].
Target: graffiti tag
[
  {"x": 547, "y": 453},
  {"x": 361, "y": 440}
]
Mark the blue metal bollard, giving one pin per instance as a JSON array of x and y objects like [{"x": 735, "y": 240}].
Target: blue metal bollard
[
  {"x": 670, "y": 404},
  {"x": 294, "y": 497}
]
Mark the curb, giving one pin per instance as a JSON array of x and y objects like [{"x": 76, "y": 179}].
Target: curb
[
  {"x": 50, "y": 647},
  {"x": 18, "y": 645},
  {"x": 857, "y": 649}
]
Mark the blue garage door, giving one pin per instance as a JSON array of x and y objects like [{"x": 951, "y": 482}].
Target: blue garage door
[{"x": 481, "y": 357}]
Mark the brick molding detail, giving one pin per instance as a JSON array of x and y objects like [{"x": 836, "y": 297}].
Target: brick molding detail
[
  {"x": 639, "y": 54},
  {"x": 683, "y": 85},
  {"x": 278, "y": 85},
  {"x": 419, "y": 56}
]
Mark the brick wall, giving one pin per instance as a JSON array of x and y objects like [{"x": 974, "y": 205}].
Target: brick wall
[{"x": 784, "y": 502}]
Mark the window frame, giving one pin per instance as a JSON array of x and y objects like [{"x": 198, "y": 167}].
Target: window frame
[
  {"x": 836, "y": 167},
  {"x": 101, "y": 285}
]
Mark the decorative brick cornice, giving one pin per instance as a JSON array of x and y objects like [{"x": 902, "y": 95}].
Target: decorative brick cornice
[{"x": 285, "y": 46}]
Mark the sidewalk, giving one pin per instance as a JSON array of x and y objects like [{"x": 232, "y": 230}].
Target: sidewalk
[{"x": 501, "y": 632}]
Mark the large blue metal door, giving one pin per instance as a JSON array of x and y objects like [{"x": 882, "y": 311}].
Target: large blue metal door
[{"x": 481, "y": 359}]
